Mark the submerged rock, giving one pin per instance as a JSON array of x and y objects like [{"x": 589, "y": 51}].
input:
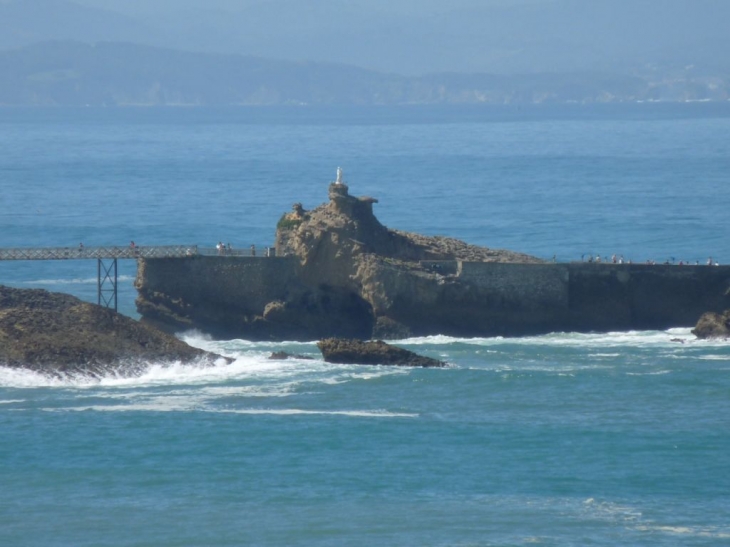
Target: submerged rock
[
  {"x": 713, "y": 326},
  {"x": 357, "y": 352},
  {"x": 283, "y": 356},
  {"x": 57, "y": 334}
]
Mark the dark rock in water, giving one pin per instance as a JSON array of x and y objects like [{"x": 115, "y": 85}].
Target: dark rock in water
[
  {"x": 57, "y": 334},
  {"x": 357, "y": 352},
  {"x": 283, "y": 355},
  {"x": 713, "y": 325}
]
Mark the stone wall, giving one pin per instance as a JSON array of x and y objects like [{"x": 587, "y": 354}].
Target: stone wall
[
  {"x": 244, "y": 283},
  {"x": 626, "y": 296},
  {"x": 522, "y": 286},
  {"x": 221, "y": 294},
  {"x": 601, "y": 297}
]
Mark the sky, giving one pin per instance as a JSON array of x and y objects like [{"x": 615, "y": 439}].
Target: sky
[
  {"x": 409, "y": 37},
  {"x": 140, "y": 7}
]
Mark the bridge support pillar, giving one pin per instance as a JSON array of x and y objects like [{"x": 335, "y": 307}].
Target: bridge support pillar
[{"x": 107, "y": 283}]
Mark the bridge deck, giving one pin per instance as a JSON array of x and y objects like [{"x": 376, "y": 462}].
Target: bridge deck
[
  {"x": 81, "y": 253},
  {"x": 106, "y": 257},
  {"x": 85, "y": 253}
]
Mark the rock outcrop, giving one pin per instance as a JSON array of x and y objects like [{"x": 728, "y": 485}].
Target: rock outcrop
[
  {"x": 59, "y": 334},
  {"x": 338, "y": 272},
  {"x": 389, "y": 277},
  {"x": 713, "y": 326},
  {"x": 357, "y": 352}
]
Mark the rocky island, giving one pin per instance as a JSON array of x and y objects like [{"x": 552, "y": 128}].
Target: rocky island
[
  {"x": 338, "y": 272},
  {"x": 58, "y": 334},
  {"x": 372, "y": 352}
]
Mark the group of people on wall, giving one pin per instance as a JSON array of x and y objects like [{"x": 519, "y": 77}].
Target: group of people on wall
[
  {"x": 619, "y": 259},
  {"x": 226, "y": 249}
]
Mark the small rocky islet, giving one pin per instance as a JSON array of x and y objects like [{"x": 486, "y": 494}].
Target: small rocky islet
[
  {"x": 59, "y": 334},
  {"x": 372, "y": 352},
  {"x": 713, "y": 326}
]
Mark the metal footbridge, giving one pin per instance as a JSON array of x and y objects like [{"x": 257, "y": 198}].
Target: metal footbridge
[{"x": 107, "y": 258}]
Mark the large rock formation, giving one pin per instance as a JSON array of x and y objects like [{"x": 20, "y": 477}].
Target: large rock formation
[
  {"x": 713, "y": 326},
  {"x": 391, "y": 278},
  {"x": 340, "y": 273},
  {"x": 58, "y": 334},
  {"x": 357, "y": 352}
]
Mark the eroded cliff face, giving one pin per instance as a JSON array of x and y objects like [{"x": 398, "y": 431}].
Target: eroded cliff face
[
  {"x": 338, "y": 272},
  {"x": 398, "y": 275}
]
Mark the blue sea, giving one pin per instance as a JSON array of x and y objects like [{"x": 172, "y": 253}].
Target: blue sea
[{"x": 566, "y": 439}]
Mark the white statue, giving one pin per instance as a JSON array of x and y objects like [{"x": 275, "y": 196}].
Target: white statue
[{"x": 339, "y": 176}]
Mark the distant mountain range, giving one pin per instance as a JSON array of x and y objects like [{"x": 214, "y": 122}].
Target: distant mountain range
[
  {"x": 119, "y": 74},
  {"x": 409, "y": 37},
  {"x": 215, "y": 52}
]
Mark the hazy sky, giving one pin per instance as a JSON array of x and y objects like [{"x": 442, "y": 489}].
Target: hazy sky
[
  {"x": 138, "y": 7},
  {"x": 403, "y": 36}
]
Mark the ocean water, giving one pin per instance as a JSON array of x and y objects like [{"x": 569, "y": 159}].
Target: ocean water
[{"x": 564, "y": 439}]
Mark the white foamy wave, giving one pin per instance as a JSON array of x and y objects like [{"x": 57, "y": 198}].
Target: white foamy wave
[
  {"x": 606, "y": 510},
  {"x": 166, "y": 375},
  {"x": 182, "y": 403},
  {"x": 712, "y": 533},
  {"x": 237, "y": 347},
  {"x": 191, "y": 337},
  {"x": 351, "y": 413},
  {"x": 653, "y": 373},
  {"x": 247, "y": 367},
  {"x": 634, "y": 519},
  {"x": 675, "y": 337},
  {"x": 22, "y": 378},
  {"x": 443, "y": 340}
]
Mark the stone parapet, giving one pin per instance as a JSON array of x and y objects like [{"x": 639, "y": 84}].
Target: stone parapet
[{"x": 260, "y": 298}]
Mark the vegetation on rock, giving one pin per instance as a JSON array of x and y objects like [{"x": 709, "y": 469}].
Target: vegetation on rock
[{"x": 288, "y": 221}]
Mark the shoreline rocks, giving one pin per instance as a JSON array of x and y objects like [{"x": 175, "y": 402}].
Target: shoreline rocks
[
  {"x": 59, "y": 334},
  {"x": 713, "y": 326},
  {"x": 356, "y": 352}
]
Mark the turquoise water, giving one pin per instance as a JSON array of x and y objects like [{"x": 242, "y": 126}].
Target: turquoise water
[{"x": 564, "y": 439}]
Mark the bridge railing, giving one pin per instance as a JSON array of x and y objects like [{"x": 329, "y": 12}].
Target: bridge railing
[
  {"x": 227, "y": 251},
  {"x": 83, "y": 252}
]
